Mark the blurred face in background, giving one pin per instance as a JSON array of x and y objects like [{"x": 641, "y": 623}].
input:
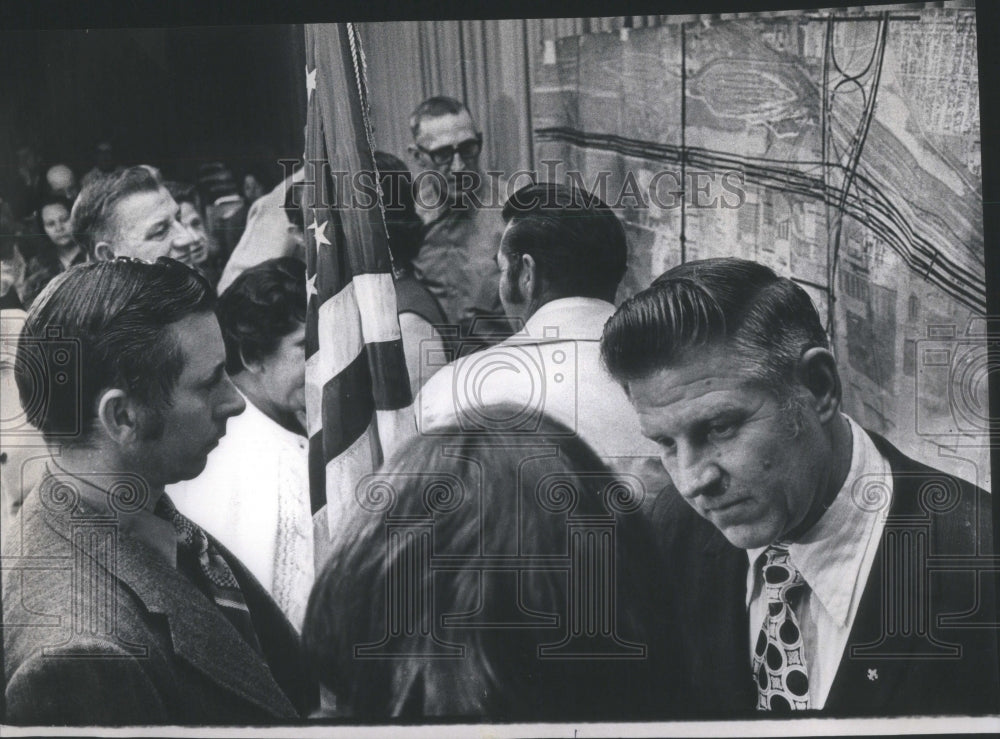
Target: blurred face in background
[
  {"x": 55, "y": 223},
  {"x": 252, "y": 188},
  {"x": 205, "y": 245}
]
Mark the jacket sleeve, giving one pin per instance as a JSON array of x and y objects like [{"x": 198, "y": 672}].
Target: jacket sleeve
[{"x": 83, "y": 690}]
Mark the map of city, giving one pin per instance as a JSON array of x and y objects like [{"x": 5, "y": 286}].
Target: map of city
[{"x": 843, "y": 150}]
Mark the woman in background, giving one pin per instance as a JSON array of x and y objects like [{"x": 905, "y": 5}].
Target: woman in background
[{"x": 55, "y": 250}]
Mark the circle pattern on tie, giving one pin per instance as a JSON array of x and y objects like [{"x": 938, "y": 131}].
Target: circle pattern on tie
[{"x": 779, "y": 665}]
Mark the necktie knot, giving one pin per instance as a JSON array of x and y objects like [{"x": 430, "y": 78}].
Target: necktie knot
[{"x": 210, "y": 567}]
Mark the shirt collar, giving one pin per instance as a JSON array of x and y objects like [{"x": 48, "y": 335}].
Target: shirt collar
[
  {"x": 568, "y": 319},
  {"x": 830, "y": 555}
]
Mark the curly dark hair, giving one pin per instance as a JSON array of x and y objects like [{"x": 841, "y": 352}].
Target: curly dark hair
[{"x": 264, "y": 304}]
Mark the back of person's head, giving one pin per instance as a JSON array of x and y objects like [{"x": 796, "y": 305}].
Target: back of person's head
[
  {"x": 482, "y": 496},
  {"x": 402, "y": 222},
  {"x": 104, "y": 325},
  {"x": 262, "y": 305},
  {"x": 737, "y": 304},
  {"x": 575, "y": 239},
  {"x": 93, "y": 214},
  {"x": 435, "y": 107}
]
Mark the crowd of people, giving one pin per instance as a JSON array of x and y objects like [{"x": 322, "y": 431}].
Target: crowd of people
[{"x": 651, "y": 510}]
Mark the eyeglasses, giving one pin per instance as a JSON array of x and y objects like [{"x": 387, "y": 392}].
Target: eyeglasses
[{"x": 468, "y": 150}]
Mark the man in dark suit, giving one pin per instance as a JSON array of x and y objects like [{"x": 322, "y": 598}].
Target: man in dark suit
[
  {"x": 117, "y": 609},
  {"x": 819, "y": 569}
]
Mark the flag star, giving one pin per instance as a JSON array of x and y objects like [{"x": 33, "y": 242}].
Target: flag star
[
  {"x": 319, "y": 232},
  {"x": 311, "y": 287},
  {"x": 310, "y": 82}
]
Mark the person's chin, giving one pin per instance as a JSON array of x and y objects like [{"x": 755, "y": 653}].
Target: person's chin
[{"x": 743, "y": 530}]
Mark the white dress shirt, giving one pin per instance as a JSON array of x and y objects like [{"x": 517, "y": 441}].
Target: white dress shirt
[
  {"x": 835, "y": 558},
  {"x": 253, "y": 496},
  {"x": 551, "y": 366}
]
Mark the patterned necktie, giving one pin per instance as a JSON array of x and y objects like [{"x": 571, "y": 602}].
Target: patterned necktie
[
  {"x": 779, "y": 665},
  {"x": 211, "y": 573}
]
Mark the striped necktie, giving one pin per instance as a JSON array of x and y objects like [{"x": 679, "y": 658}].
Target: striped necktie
[
  {"x": 202, "y": 560},
  {"x": 779, "y": 663}
]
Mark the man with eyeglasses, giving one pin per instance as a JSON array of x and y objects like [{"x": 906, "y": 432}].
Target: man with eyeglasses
[{"x": 457, "y": 261}]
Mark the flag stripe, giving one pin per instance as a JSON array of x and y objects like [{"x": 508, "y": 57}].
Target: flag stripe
[
  {"x": 376, "y": 299},
  {"x": 387, "y": 362},
  {"x": 339, "y": 332},
  {"x": 348, "y": 406}
]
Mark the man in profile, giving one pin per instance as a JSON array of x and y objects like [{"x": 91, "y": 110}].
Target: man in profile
[
  {"x": 131, "y": 213},
  {"x": 117, "y": 608},
  {"x": 804, "y": 584},
  {"x": 457, "y": 260}
]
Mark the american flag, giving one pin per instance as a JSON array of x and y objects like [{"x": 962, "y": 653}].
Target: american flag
[{"x": 358, "y": 401}]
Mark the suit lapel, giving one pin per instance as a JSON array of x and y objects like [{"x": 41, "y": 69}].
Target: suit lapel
[{"x": 200, "y": 634}]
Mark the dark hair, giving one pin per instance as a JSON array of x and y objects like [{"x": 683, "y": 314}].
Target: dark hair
[
  {"x": 767, "y": 320},
  {"x": 101, "y": 325},
  {"x": 93, "y": 212},
  {"x": 435, "y": 107},
  {"x": 575, "y": 239},
  {"x": 479, "y": 495},
  {"x": 262, "y": 305},
  {"x": 182, "y": 192},
  {"x": 401, "y": 219}
]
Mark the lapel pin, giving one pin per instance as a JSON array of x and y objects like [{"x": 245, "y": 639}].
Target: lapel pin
[{"x": 873, "y": 674}]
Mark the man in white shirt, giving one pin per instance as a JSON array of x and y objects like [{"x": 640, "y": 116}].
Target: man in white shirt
[
  {"x": 254, "y": 493},
  {"x": 561, "y": 258},
  {"x": 814, "y": 587}
]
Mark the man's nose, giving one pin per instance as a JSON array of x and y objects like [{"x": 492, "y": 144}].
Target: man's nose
[
  {"x": 233, "y": 403},
  {"x": 457, "y": 163},
  {"x": 693, "y": 472}
]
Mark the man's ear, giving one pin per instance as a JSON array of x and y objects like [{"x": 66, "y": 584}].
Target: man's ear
[
  {"x": 103, "y": 251},
  {"x": 253, "y": 366},
  {"x": 528, "y": 278},
  {"x": 817, "y": 371},
  {"x": 118, "y": 416}
]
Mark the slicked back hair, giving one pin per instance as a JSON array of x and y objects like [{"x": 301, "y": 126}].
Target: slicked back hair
[
  {"x": 487, "y": 501},
  {"x": 93, "y": 215},
  {"x": 575, "y": 239},
  {"x": 767, "y": 321},
  {"x": 435, "y": 107},
  {"x": 264, "y": 304},
  {"x": 104, "y": 325}
]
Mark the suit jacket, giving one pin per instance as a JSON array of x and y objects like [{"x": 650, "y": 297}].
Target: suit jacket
[
  {"x": 100, "y": 629},
  {"x": 901, "y": 658}
]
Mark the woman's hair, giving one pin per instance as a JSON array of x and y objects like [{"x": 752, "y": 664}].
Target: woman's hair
[{"x": 451, "y": 591}]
